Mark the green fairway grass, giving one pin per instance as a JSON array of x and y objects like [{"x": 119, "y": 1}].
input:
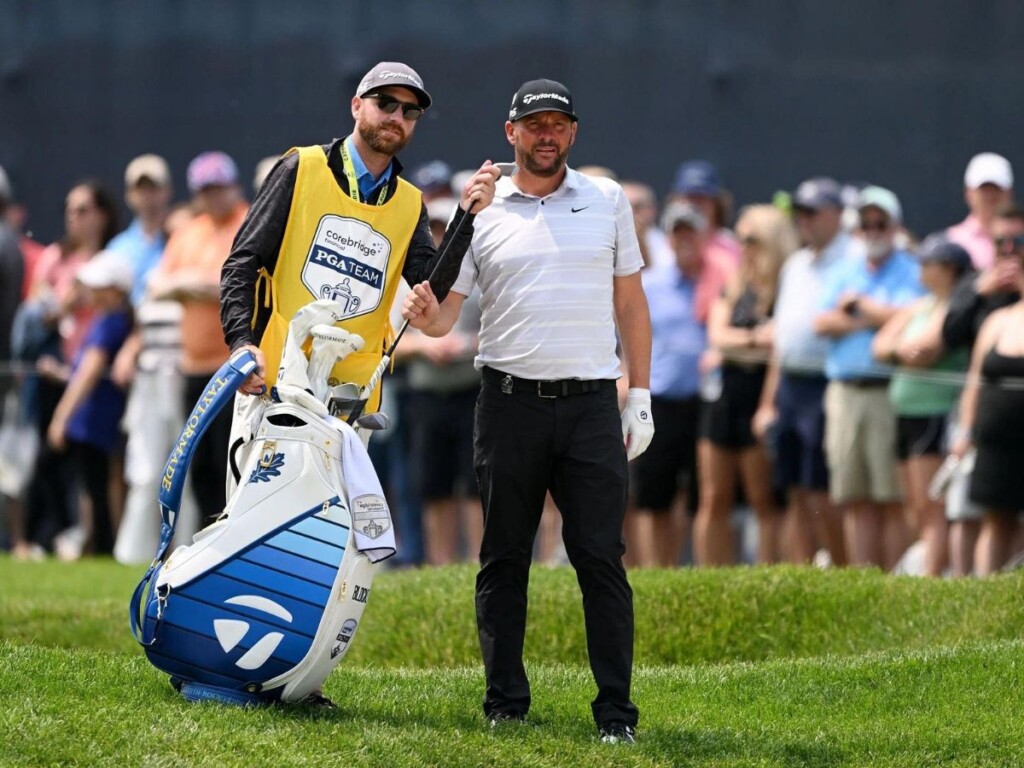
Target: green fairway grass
[{"x": 735, "y": 667}]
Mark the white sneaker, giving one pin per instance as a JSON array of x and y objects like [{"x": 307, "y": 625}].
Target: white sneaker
[{"x": 68, "y": 544}]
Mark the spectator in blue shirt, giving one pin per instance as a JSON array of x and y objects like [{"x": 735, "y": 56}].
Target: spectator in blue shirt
[
  {"x": 148, "y": 191},
  {"x": 86, "y": 420},
  {"x": 860, "y": 429}
]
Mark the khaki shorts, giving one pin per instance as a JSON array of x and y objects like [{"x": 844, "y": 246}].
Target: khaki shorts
[{"x": 860, "y": 444}]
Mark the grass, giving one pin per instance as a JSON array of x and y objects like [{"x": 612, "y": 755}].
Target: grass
[{"x": 735, "y": 667}]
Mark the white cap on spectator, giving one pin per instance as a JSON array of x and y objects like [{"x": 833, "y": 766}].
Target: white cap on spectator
[
  {"x": 263, "y": 169},
  {"x": 882, "y": 199},
  {"x": 679, "y": 213},
  {"x": 441, "y": 209},
  {"x": 152, "y": 167},
  {"x": 107, "y": 270},
  {"x": 988, "y": 168},
  {"x": 459, "y": 179}
]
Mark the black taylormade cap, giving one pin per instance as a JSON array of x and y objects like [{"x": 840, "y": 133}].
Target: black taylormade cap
[{"x": 541, "y": 96}]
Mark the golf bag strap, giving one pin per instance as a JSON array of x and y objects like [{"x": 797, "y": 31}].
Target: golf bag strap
[{"x": 219, "y": 391}]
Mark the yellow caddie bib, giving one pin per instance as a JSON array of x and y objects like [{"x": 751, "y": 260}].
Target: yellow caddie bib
[{"x": 338, "y": 248}]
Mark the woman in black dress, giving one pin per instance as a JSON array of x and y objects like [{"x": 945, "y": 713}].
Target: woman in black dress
[
  {"x": 992, "y": 418},
  {"x": 739, "y": 328}
]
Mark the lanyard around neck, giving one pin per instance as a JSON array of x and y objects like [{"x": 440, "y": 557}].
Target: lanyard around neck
[{"x": 353, "y": 182}]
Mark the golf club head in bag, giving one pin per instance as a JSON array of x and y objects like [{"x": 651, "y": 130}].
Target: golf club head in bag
[
  {"x": 300, "y": 379},
  {"x": 330, "y": 345},
  {"x": 295, "y": 366},
  {"x": 266, "y": 601}
]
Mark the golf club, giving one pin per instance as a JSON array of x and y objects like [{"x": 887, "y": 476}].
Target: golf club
[
  {"x": 330, "y": 344},
  {"x": 507, "y": 169}
]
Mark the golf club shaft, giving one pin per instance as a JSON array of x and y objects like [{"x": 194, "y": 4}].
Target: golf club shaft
[
  {"x": 384, "y": 361},
  {"x": 440, "y": 260}
]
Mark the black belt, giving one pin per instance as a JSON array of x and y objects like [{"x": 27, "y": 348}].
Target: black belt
[
  {"x": 804, "y": 375},
  {"x": 550, "y": 388},
  {"x": 865, "y": 383}
]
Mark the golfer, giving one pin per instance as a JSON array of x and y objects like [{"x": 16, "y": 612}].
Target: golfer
[
  {"x": 558, "y": 265},
  {"x": 337, "y": 221}
]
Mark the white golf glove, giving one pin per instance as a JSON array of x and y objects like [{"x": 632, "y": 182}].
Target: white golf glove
[{"x": 637, "y": 422}]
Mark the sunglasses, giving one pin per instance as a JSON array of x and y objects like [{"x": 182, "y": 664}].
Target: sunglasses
[
  {"x": 1013, "y": 243},
  {"x": 875, "y": 226},
  {"x": 78, "y": 210},
  {"x": 388, "y": 105}
]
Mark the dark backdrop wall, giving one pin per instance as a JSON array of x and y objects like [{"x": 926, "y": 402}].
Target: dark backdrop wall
[{"x": 898, "y": 92}]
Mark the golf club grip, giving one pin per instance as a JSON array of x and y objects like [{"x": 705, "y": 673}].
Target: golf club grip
[{"x": 441, "y": 288}]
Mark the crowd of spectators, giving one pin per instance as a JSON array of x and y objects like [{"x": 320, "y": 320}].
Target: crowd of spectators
[{"x": 823, "y": 378}]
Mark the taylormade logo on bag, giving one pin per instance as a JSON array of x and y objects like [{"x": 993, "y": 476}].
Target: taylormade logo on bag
[{"x": 230, "y": 632}]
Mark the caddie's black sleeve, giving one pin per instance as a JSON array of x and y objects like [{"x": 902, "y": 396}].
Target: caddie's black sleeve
[
  {"x": 961, "y": 324},
  {"x": 256, "y": 246},
  {"x": 422, "y": 256}
]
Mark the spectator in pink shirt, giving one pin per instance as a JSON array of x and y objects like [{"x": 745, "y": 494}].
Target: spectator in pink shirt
[
  {"x": 988, "y": 188},
  {"x": 697, "y": 183}
]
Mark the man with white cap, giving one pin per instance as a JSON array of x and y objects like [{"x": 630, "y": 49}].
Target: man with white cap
[
  {"x": 148, "y": 190},
  {"x": 861, "y": 295},
  {"x": 148, "y": 365},
  {"x": 988, "y": 188}
]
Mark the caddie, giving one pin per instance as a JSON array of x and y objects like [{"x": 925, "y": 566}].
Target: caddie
[{"x": 338, "y": 221}]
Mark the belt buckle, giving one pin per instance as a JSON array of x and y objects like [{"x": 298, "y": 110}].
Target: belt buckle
[{"x": 541, "y": 394}]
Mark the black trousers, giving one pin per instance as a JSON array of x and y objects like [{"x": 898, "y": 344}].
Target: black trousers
[
  {"x": 51, "y": 500},
  {"x": 210, "y": 461},
  {"x": 525, "y": 445},
  {"x": 92, "y": 468}
]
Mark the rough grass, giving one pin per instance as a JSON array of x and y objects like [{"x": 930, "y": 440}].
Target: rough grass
[
  {"x": 425, "y": 619},
  {"x": 736, "y": 667}
]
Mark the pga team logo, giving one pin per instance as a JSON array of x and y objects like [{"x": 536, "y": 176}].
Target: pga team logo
[
  {"x": 347, "y": 263},
  {"x": 370, "y": 515}
]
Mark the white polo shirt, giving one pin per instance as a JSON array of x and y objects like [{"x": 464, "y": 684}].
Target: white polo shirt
[{"x": 545, "y": 267}]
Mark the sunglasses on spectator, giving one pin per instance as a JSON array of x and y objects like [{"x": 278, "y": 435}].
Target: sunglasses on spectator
[
  {"x": 79, "y": 210},
  {"x": 1012, "y": 243},
  {"x": 388, "y": 105},
  {"x": 880, "y": 225}
]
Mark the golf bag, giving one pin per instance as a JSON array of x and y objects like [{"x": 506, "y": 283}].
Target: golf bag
[{"x": 265, "y": 602}]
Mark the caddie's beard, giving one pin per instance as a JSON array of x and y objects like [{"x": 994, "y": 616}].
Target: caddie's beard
[
  {"x": 382, "y": 141},
  {"x": 546, "y": 168}
]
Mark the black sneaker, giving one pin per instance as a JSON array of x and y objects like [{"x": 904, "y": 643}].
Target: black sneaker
[
  {"x": 319, "y": 701},
  {"x": 501, "y": 718},
  {"x": 617, "y": 733}
]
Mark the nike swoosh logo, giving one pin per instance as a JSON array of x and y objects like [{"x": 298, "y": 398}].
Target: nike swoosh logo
[{"x": 577, "y": 210}]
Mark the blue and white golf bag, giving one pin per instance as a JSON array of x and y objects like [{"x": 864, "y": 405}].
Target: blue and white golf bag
[{"x": 265, "y": 602}]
